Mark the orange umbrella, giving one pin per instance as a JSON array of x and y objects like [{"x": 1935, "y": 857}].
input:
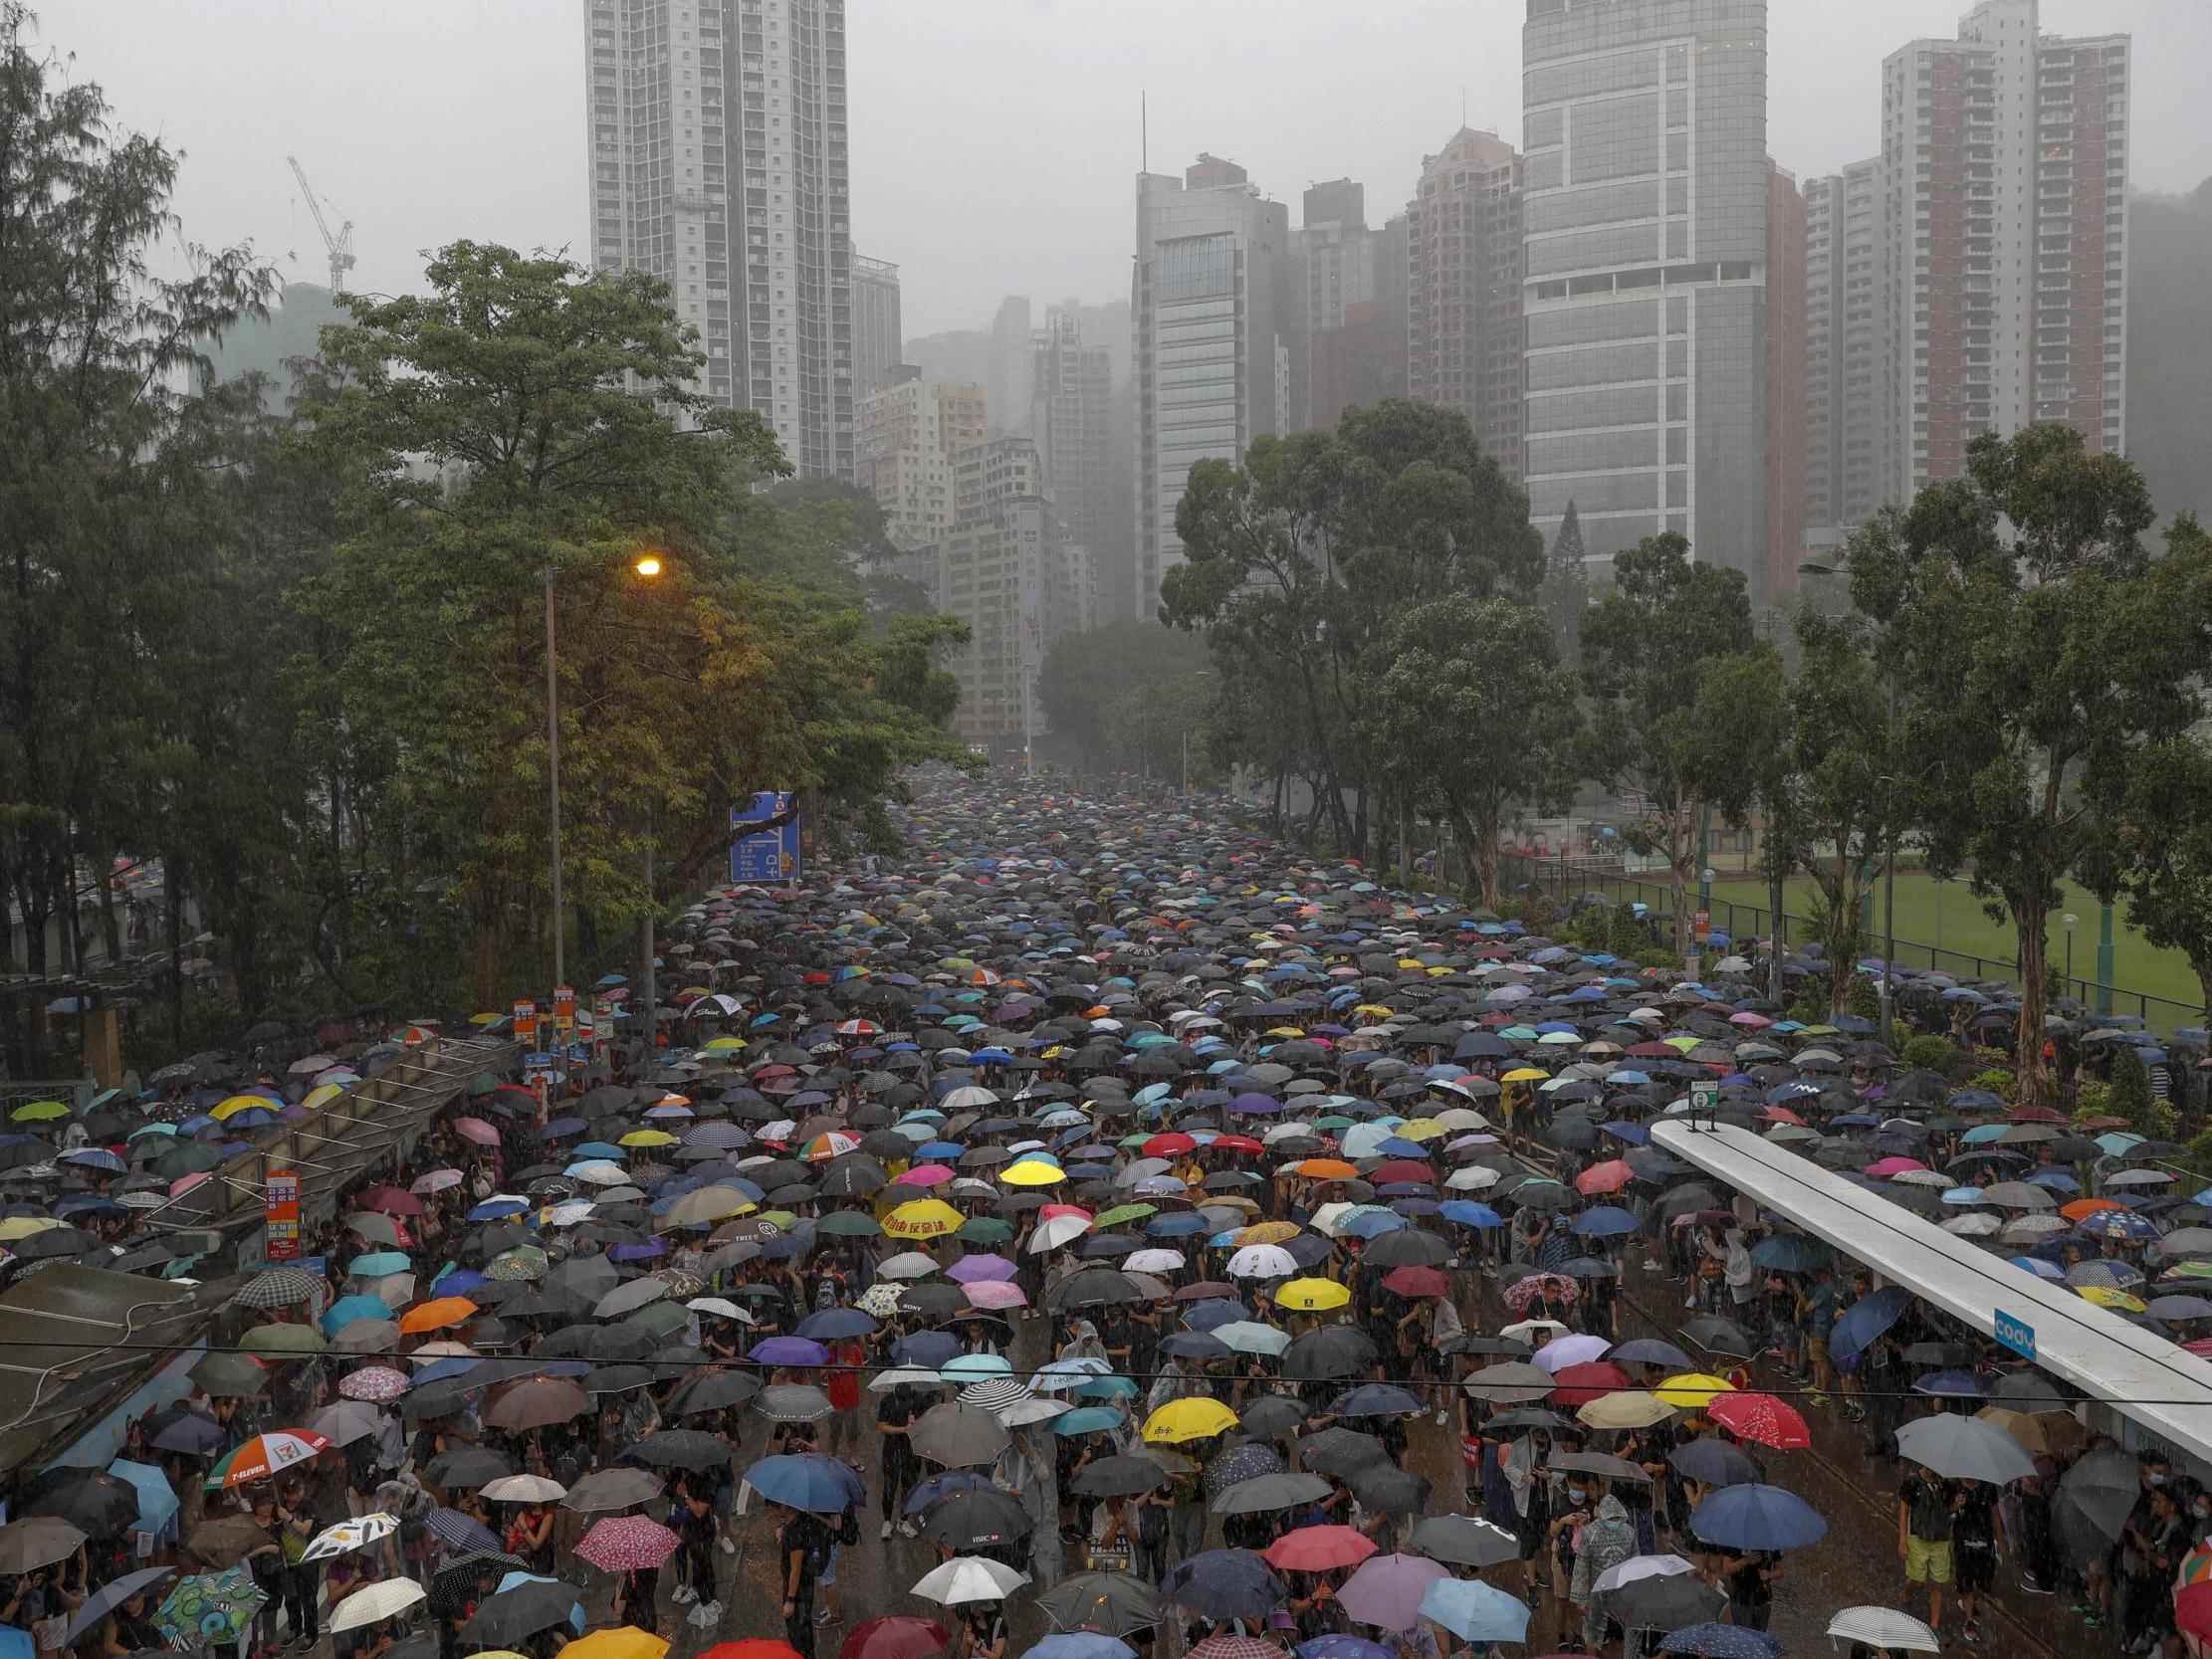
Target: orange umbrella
[
  {"x": 437, "y": 1315},
  {"x": 2082, "y": 1208},
  {"x": 1326, "y": 1169}
]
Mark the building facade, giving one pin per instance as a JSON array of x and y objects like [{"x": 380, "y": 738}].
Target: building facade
[
  {"x": 1007, "y": 387},
  {"x": 911, "y": 432},
  {"x": 719, "y": 164},
  {"x": 877, "y": 346},
  {"x": 1071, "y": 419},
  {"x": 1785, "y": 379},
  {"x": 1843, "y": 344},
  {"x": 1209, "y": 334},
  {"x": 2005, "y": 263},
  {"x": 1462, "y": 264},
  {"x": 1644, "y": 243}
]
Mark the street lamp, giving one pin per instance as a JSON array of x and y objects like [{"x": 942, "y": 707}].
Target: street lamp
[
  {"x": 647, "y": 566},
  {"x": 2068, "y": 920}
]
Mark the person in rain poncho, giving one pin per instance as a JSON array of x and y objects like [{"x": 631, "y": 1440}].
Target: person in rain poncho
[{"x": 1606, "y": 1542}]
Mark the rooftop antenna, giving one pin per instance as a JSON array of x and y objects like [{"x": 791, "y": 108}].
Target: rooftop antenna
[{"x": 1144, "y": 131}]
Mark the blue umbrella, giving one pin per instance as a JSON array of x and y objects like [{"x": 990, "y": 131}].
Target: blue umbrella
[
  {"x": 1343, "y": 1647},
  {"x": 1081, "y": 1644},
  {"x": 1756, "y": 1516},
  {"x": 806, "y": 1480},
  {"x": 348, "y": 1309},
  {"x": 158, "y": 1501},
  {"x": 1862, "y": 1321},
  {"x": 834, "y": 1323},
  {"x": 1086, "y": 1420},
  {"x": 1606, "y": 1221},
  {"x": 1467, "y": 1214},
  {"x": 1722, "y": 1642},
  {"x": 1476, "y": 1611},
  {"x": 1222, "y": 1584},
  {"x": 1958, "y": 1385},
  {"x": 1789, "y": 1253}
]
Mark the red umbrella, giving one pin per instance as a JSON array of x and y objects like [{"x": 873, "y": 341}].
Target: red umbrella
[
  {"x": 1580, "y": 1384},
  {"x": 1763, "y": 1419},
  {"x": 2192, "y": 1609},
  {"x": 1417, "y": 1280},
  {"x": 901, "y": 1636},
  {"x": 1610, "y": 1176},
  {"x": 475, "y": 1130},
  {"x": 1318, "y": 1548},
  {"x": 1401, "y": 1170},
  {"x": 1168, "y": 1144},
  {"x": 390, "y": 1200},
  {"x": 763, "y": 1647},
  {"x": 627, "y": 1544}
]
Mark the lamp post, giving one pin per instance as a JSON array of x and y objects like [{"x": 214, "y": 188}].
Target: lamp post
[
  {"x": 647, "y": 566},
  {"x": 2068, "y": 922}
]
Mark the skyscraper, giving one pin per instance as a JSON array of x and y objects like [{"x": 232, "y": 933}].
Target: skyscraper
[
  {"x": 718, "y": 166},
  {"x": 1007, "y": 389},
  {"x": 1644, "y": 235},
  {"x": 1209, "y": 335},
  {"x": 1843, "y": 344},
  {"x": 876, "y": 341},
  {"x": 1464, "y": 336},
  {"x": 1347, "y": 310},
  {"x": 1071, "y": 399},
  {"x": 911, "y": 431},
  {"x": 2004, "y": 272},
  {"x": 1783, "y": 374}
]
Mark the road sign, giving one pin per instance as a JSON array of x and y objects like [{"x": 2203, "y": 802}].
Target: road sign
[
  {"x": 564, "y": 1005},
  {"x": 526, "y": 1021},
  {"x": 770, "y": 855},
  {"x": 2015, "y": 1334},
  {"x": 537, "y": 1062},
  {"x": 1704, "y": 1097}
]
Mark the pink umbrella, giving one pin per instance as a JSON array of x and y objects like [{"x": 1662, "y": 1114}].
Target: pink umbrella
[
  {"x": 627, "y": 1544},
  {"x": 996, "y": 1295},
  {"x": 374, "y": 1382},
  {"x": 1885, "y": 1167},
  {"x": 475, "y": 1130},
  {"x": 1610, "y": 1176},
  {"x": 1386, "y": 1591},
  {"x": 925, "y": 1175}
]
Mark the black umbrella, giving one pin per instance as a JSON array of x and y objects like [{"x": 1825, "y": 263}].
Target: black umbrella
[
  {"x": 1340, "y": 1451},
  {"x": 977, "y": 1519},
  {"x": 1670, "y": 1603},
  {"x": 1715, "y": 1462},
  {"x": 467, "y": 1467},
  {"x": 511, "y": 1618},
  {"x": 1464, "y": 1541},
  {"x": 1123, "y": 1475},
  {"x": 1110, "y": 1603},
  {"x": 682, "y": 1448},
  {"x": 90, "y": 1500},
  {"x": 1220, "y": 1585},
  {"x": 1327, "y": 1352},
  {"x": 1385, "y": 1486}
]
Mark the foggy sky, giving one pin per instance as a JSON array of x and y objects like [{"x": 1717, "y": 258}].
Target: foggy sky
[{"x": 994, "y": 142}]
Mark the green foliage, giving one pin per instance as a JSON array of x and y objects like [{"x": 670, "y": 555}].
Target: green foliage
[
  {"x": 2128, "y": 1095},
  {"x": 1565, "y": 593},
  {"x": 1299, "y": 563},
  {"x": 1649, "y": 648},
  {"x": 2041, "y": 649},
  {"x": 1119, "y": 698},
  {"x": 2167, "y": 838},
  {"x": 1863, "y": 998},
  {"x": 2091, "y": 1100},
  {"x": 1615, "y": 930},
  {"x": 1930, "y": 1053},
  {"x": 2001, "y": 1081},
  {"x": 2196, "y": 1156}
]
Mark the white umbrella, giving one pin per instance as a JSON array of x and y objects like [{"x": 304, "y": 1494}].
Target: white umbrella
[
  {"x": 908, "y": 1264},
  {"x": 523, "y": 1488},
  {"x": 378, "y": 1601},
  {"x": 1052, "y": 1232},
  {"x": 1642, "y": 1567},
  {"x": 962, "y": 1579},
  {"x": 1153, "y": 1261},
  {"x": 1476, "y": 1177},
  {"x": 1969, "y": 1448},
  {"x": 1263, "y": 1260},
  {"x": 351, "y": 1535},
  {"x": 1561, "y": 1352},
  {"x": 910, "y": 1377},
  {"x": 1880, "y": 1627}
]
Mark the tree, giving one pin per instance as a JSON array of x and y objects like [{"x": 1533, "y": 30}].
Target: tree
[
  {"x": 1742, "y": 716},
  {"x": 1298, "y": 563},
  {"x": 1473, "y": 718},
  {"x": 1647, "y": 649},
  {"x": 2166, "y": 851},
  {"x": 907, "y": 671},
  {"x": 1565, "y": 593},
  {"x": 1084, "y": 687},
  {"x": 2039, "y": 648}
]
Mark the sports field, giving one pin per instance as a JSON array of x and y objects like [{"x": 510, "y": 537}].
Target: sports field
[{"x": 1947, "y": 916}]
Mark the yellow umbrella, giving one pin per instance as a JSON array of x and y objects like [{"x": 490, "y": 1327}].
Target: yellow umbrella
[
  {"x": 23, "y": 1226},
  {"x": 241, "y": 1103},
  {"x": 1284, "y": 1031},
  {"x": 1419, "y": 1128},
  {"x": 1524, "y": 1074},
  {"x": 1270, "y": 1232},
  {"x": 1311, "y": 1296},
  {"x": 1192, "y": 1418},
  {"x": 648, "y": 1137},
  {"x": 1692, "y": 1389},
  {"x": 484, "y": 1019},
  {"x": 1374, "y": 1011},
  {"x": 1032, "y": 1171},
  {"x": 1628, "y": 1408},
  {"x": 323, "y": 1096},
  {"x": 623, "y": 1641},
  {"x": 1684, "y": 1044},
  {"x": 725, "y": 1045},
  {"x": 2104, "y": 1296},
  {"x": 923, "y": 1218}
]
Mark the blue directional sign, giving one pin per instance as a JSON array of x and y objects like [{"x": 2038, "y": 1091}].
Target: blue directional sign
[
  {"x": 770, "y": 855},
  {"x": 2015, "y": 1334}
]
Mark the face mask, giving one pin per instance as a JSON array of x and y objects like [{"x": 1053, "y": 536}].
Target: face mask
[
  {"x": 2157, "y": 1480},
  {"x": 1578, "y": 1495},
  {"x": 2204, "y": 1511}
]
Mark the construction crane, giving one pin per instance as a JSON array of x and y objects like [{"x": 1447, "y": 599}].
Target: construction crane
[{"x": 340, "y": 245}]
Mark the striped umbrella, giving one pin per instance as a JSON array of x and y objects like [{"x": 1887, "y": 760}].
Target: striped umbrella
[
  {"x": 461, "y": 1532},
  {"x": 277, "y": 1288}
]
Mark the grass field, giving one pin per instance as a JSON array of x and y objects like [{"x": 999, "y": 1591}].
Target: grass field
[{"x": 1947, "y": 916}]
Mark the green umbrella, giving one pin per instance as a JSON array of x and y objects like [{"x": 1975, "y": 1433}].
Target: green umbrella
[
  {"x": 985, "y": 1229},
  {"x": 39, "y": 1112},
  {"x": 208, "y": 1609},
  {"x": 284, "y": 1341},
  {"x": 849, "y": 1224},
  {"x": 523, "y": 1262},
  {"x": 229, "y": 1375},
  {"x": 661, "y": 1320}
]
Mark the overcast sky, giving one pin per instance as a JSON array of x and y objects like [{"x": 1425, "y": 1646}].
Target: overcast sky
[{"x": 994, "y": 142}]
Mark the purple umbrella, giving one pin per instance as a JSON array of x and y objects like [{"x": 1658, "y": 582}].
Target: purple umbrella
[
  {"x": 788, "y": 1350},
  {"x": 1257, "y": 1105},
  {"x": 970, "y": 1269},
  {"x": 1386, "y": 1591}
]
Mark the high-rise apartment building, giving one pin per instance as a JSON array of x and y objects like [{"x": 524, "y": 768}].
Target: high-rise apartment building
[
  {"x": 1006, "y": 387},
  {"x": 2005, "y": 263},
  {"x": 1348, "y": 308},
  {"x": 1465, "y": 337},
  {"x": 1843, "y": 347},
  {"x": 877, "y": 346},
  {"x": 1070, "y": 412},
  {"x": 1210, "y": 332},
  {"x": 911, "y": 431},
  {"x": 1785, "y": 380},
  {"x": 1644, "y": 246},
  {"x": 718, "y": 166}
]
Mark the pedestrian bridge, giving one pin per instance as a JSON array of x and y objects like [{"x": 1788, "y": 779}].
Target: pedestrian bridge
[{"x": 2140, "y": 1374}]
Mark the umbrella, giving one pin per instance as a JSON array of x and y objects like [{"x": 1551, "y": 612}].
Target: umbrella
[
  {"x": 1965, "y": 1448},
  {"x": 899, "y": 1636},
  {"x": 612, "y": 1489},
  {"x": 1464, "y": 1541},
  {"x": 1221, "y": 1585},
  {"x": 805, "y": 1481},
  {"x": 1882, "y": 1627},
  {"x": 1263, "y": 1494},
  {"x": 1122, "y": 1476},
  {"x": 968, "y": 1579},
  {"x": 387, "y": 1598},
  {"x": 976, "y": 1518},
  {"x": 356, "y": 1534},
  {"x": 209, "y": 1608},
  {"x": 1318, "y": 1548},
  {"x": 1722, "y": 1642},
  {"x": 520, "y": 1608},
  {"x": 1761, "y": 1419},
  {"x": 461, "y": 1532},
  {"x": 1757, "y": 1517},
  {"x": 1109, "y": 1604},
  {"x": 111, "y": 1595},
  {"x": 1715, "y": 1462},
  {"x": 38, "y": 1542},
  {"x": 627, "y": 1544},
  {"x": 959, "y": 1436},
  {"x": 1387, "y": 1590},
  {"x": 1664, "y": 1601},
  {"x": 92, "y": 1500},
  {"x": 1476, "y": 1611},
  {"x": 223, "y": 1543},
  {"x": 623, "y": 1641}
]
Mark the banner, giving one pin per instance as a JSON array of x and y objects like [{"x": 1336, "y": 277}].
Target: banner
[{"x": 279, "y": 1208}]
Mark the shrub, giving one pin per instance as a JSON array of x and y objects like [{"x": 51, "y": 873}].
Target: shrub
[
  {"x": 1932, "y": 1054},
  {"x": 2130, "y": 1096},
  {"x": 2091, "y": 1100},
  {"x": 2001, "y": 1081},
  {"x": 1863, "y": 999}
]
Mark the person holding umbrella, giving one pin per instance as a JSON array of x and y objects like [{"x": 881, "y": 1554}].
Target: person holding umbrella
[
  {"x": 802, "y": 1544},
  {"x": 129, "y": 1628}
]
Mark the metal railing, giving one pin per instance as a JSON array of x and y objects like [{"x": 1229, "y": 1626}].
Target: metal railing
[{"x": 1569, "y": 878}]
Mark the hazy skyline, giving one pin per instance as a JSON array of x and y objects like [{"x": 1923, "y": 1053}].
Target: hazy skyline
[{"x": 993, "y": 142}]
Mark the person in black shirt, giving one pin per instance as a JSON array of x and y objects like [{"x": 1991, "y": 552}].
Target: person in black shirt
[
  {"x": 1751, "y": 1575},
  {"x": 1975, "y": 1525},
  {"x": 800, "y": 1546},
  {"x": 899, "y": 1465},
  {"x": 1924, "y": 1505}
]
